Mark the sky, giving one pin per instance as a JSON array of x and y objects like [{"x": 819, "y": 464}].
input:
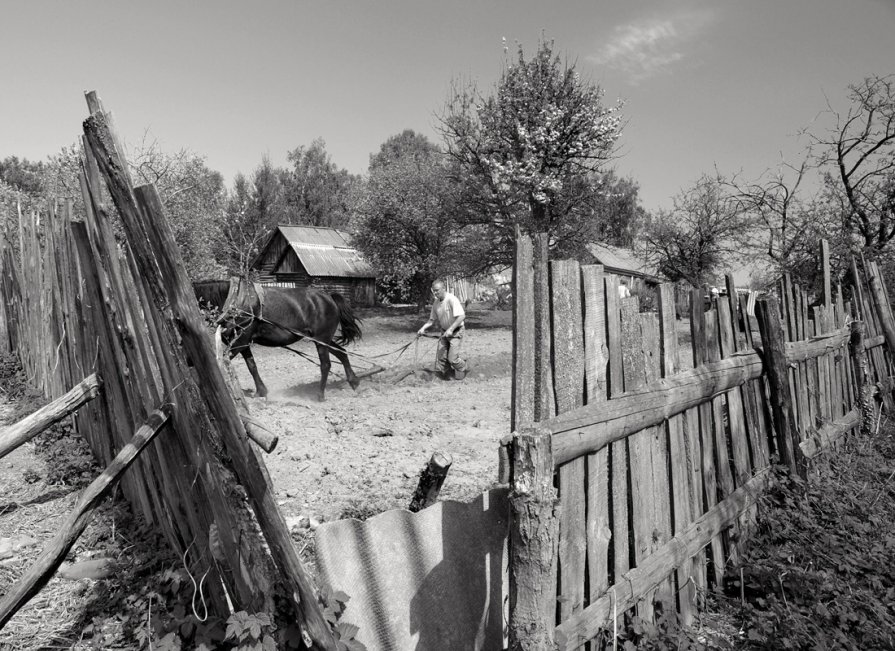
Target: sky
[{"x": 707, "y": 85}]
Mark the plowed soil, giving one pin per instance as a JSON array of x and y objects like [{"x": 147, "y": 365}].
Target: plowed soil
[{"x": 360, "y": 452}]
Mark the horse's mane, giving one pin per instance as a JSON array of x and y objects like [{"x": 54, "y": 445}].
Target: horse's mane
[{"x": 213, "y": 292}]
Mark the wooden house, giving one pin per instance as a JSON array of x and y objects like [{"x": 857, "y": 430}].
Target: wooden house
[
  {"x": 626, "y": 264},
  {"x": 641, "y": 277},
  {"x": 305, "y": 256}
]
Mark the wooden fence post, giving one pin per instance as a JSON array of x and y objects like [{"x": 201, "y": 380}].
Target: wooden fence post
[
  {"x": 863, "y": 389},
  {"x": 533, "y": 544},
  {"x": 883, "y": 309},
  {"x": 778, "y": 381}
]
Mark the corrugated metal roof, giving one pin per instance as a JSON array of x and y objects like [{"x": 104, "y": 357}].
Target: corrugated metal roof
[
  {"x": 321, "y": 260},
  {"x": 326, "y": 252},
  {"x": 622, "y": 259},
  {"x": 315, "y": 235}
]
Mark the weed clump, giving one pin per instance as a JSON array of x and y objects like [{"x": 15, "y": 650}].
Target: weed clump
[{"x": 819, "y": 574}]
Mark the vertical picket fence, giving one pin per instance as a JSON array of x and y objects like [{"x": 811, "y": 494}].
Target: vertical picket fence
[{"x": 659, "y": 449}]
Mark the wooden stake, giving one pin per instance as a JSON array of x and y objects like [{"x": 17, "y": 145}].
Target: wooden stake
[
  {"x": 533, "y": 544},
  {"x": 26, "y": 429},
  {"x": 432, "y": 477},
  {"x": 861, "y": 372},
  {"x": 54, "y": 553}
]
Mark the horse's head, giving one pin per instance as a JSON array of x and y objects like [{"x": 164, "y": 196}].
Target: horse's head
[{"x": 240, "y": 311}]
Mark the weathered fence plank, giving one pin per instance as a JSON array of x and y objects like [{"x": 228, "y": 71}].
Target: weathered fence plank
[
  {"x": 523, "y": 391},
  {"x": 568, "y": 378},
  {"x": 599, "y": 534},
  {"x": 533, "y": 544},
  {"x": 778, "y": 379},
  {"x": 631, "y": 587},
  {"x": 680, "y": 476},
  {"x": 619, "y": 450}
]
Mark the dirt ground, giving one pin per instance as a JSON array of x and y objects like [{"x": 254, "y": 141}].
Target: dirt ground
[{"x": 360, "y": 452}]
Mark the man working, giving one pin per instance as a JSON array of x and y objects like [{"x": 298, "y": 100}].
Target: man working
[{"x": 447, "y": 311}]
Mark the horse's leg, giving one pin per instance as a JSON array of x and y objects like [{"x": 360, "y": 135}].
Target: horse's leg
[
  {"x": 342, "y": 356},
  {"x": 323, "y": 354},
  {"x": 260, "y": 389}
]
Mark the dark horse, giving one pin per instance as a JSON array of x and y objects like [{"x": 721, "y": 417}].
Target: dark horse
[{"x": 280, "y": 316}]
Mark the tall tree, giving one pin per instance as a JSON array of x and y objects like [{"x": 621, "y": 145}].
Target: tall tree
[
  {"x": 401, "y": 147},
  {"x": 404, "y": 225},
  {"x": 22, "y": 174},
  {"x": 317, "y": 191},
  {"x": 194, "y": 197},
  {"x": 529, "y": 152},
  {"x": 254, "y": 208},
  {"x": 705, "y": 229},
  {"x": 857, "y": 155}
]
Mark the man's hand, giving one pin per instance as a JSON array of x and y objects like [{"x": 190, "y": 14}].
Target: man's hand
[
  {"x": 448, "y": 333},
  {"x": 420, "y": 332}
]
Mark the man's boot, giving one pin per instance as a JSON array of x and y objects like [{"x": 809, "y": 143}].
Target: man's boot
[{"x": 459, "y": 375}]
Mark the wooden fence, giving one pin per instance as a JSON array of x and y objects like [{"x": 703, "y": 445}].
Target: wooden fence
[
  {"x": 657, "y": 450},
  {"x": 79, "y": 303}
]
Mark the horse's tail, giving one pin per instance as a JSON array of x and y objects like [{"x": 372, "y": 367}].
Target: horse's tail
[{"x": 350, "y": 324}]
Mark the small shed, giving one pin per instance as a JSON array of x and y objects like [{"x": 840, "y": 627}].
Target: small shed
[
  {"x": 642, "y": 277},
  {"x": 306, "y": 256},
  {"x": 625, "y": 263}
]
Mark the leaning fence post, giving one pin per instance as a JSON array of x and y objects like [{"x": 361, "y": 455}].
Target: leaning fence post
[
  {"x": 863, "y": 389},
  {"x": 534, "y": 531},
  {"x": 778, "y": 381},
  {"x": 883, "y": 309}
]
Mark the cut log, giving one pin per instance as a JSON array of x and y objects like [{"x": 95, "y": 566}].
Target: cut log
[
  {"x": 54, "y": 553},
  {"x": 823, "y": 344},
  {"x": 266, "y": 439},
  {"x": 432, "y": 477},
  {"x": 26, "y": 429},
  {"x": 829, "y": 432}
]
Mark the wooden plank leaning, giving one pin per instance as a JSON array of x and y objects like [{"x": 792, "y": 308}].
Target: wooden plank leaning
[
  {"x": 55, "y": 551},
  {"x": 156, "y": 252},
  {"x": 787, "y": 437},
  {"x": 26, "y": 429},
  {"x": 883, "y": 308}
]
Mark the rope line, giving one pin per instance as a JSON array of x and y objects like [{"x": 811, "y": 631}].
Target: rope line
[{"x": 400, "y": 349}]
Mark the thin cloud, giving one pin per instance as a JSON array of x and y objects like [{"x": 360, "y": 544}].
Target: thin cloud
[{"x": 646, "y": 48}]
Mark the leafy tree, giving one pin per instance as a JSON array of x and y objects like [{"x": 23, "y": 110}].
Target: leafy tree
[
  {"x": 705, "y": 229},
  {"x": 397, "y": 148},
  {"x": 616, "y": 215},
  {"x": 254, "y": 208},
  {"x": 404, "y": 224},
  {"x": 194, "y": 198},
  {"x": 317, "y": 192},
  {"x": 530, "y": 153},
  {"x": 22, "y": 175}
]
